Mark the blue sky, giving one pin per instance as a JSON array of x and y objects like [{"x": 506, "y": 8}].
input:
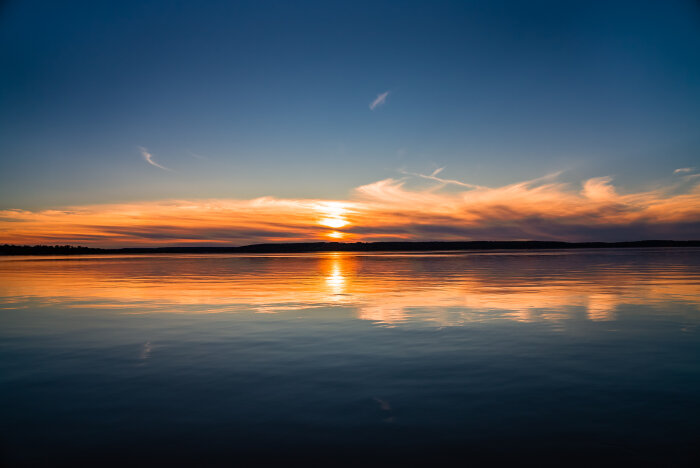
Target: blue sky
[{"x": 250, "y": 99}]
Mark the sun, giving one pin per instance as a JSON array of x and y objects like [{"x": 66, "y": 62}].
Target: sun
[
  {"x": 333, "y": 222},
  {"x": 333, "y": 214}
]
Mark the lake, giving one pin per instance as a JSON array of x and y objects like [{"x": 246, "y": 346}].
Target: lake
[{"x": 494, "y": 357}]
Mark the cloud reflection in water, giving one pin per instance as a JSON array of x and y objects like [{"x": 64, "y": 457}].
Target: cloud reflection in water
[{"x": 389, "y": 289}]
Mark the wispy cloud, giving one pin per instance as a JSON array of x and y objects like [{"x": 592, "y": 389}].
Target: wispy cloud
[
  {"x": 433, "y": 176},
  {"x": 148, "y": 157},
  {"x": 389, "y": 209},
  {"x": 197, "y": 156},
  {"x": 683, "y": 170},
  {"x": 379, "y": 100}
]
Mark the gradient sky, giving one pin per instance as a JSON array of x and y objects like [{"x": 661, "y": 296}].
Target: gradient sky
[{"x": 107, "y": 106}]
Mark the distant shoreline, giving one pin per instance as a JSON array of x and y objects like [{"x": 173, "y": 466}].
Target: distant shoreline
[{"x": 310, "y": 247}]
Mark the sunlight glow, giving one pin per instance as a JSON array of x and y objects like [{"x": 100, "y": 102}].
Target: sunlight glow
[
  {"x": 333, "y": 222},
  {"x": 333, "y": 214},
  {"x": 390, "y": 209}
]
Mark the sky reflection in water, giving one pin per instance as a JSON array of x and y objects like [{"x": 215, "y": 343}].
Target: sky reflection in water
[
  {"x": 390, "y": 289},
  {"x": 387, "y": 358}
]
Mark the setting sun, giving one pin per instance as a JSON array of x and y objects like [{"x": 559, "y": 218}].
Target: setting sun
[
  {"x": 333, "y": 222},
  {"x": 333, "y": 213}
]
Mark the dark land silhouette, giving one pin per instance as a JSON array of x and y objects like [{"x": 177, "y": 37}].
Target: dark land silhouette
[{"x": 303, "y": 247}]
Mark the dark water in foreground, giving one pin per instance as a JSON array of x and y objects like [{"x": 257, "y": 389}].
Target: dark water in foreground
[{"x": 564, "y": 357}]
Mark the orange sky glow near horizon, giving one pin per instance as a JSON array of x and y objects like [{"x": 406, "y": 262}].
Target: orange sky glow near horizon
[{"x": 390, "y": 209}]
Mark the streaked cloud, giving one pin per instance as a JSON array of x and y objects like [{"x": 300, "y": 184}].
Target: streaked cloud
[
  {"x": 683, "y": 170},
  {"x": 148, "y": 157},
  {"x": 379, "y": 100},
  {"x": 433, "y": 176},
  {"x": 415, "y": 207},
  {"x": 197, "y": 156}
]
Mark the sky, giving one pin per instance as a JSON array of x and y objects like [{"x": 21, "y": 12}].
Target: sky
[{"x": 228, "y": 123}]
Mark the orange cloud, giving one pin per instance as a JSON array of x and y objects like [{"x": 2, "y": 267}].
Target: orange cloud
[{"x": 390, "y": 209}]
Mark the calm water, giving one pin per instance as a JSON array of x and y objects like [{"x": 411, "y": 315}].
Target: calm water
[{"x": 463, "y": 358}]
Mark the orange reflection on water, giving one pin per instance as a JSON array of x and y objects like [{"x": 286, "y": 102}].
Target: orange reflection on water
[
  {"x": 335, "y": 272},
  {"x": 443, "y": 289}
]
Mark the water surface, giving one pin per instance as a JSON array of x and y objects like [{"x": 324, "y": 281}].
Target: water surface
[{"x": 561, "y": 357}]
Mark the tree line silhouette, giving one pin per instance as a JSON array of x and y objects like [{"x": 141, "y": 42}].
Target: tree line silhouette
[{"x": 302, "y": 247}]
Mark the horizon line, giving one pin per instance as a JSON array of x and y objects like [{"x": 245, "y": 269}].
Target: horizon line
[{"x": 331, "y": 246}]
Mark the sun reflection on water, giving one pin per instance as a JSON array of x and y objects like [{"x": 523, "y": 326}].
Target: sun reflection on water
[
  {"x": 335, "y": 276},
  {"x": 387, "y": 289}
]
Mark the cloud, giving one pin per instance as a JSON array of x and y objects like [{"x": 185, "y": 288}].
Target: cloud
[
  {"x": 380, "y": 100},
  {"x": 443, "y": 182},
  {"x": 683, "y": 170},
  {"x": 599, "y": 189},
  {"x": 537, "y": 209},
  {"x": 197, "y": 156},
  {"x": 415, "y": 207},
  {"x": 148, "y": 157}
]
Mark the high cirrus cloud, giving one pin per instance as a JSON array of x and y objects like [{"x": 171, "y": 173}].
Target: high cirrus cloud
[
  {"x": 390, "y": 209},
  {"x": 148, "y": 157},
  {"x": 379, "y": 100}
]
